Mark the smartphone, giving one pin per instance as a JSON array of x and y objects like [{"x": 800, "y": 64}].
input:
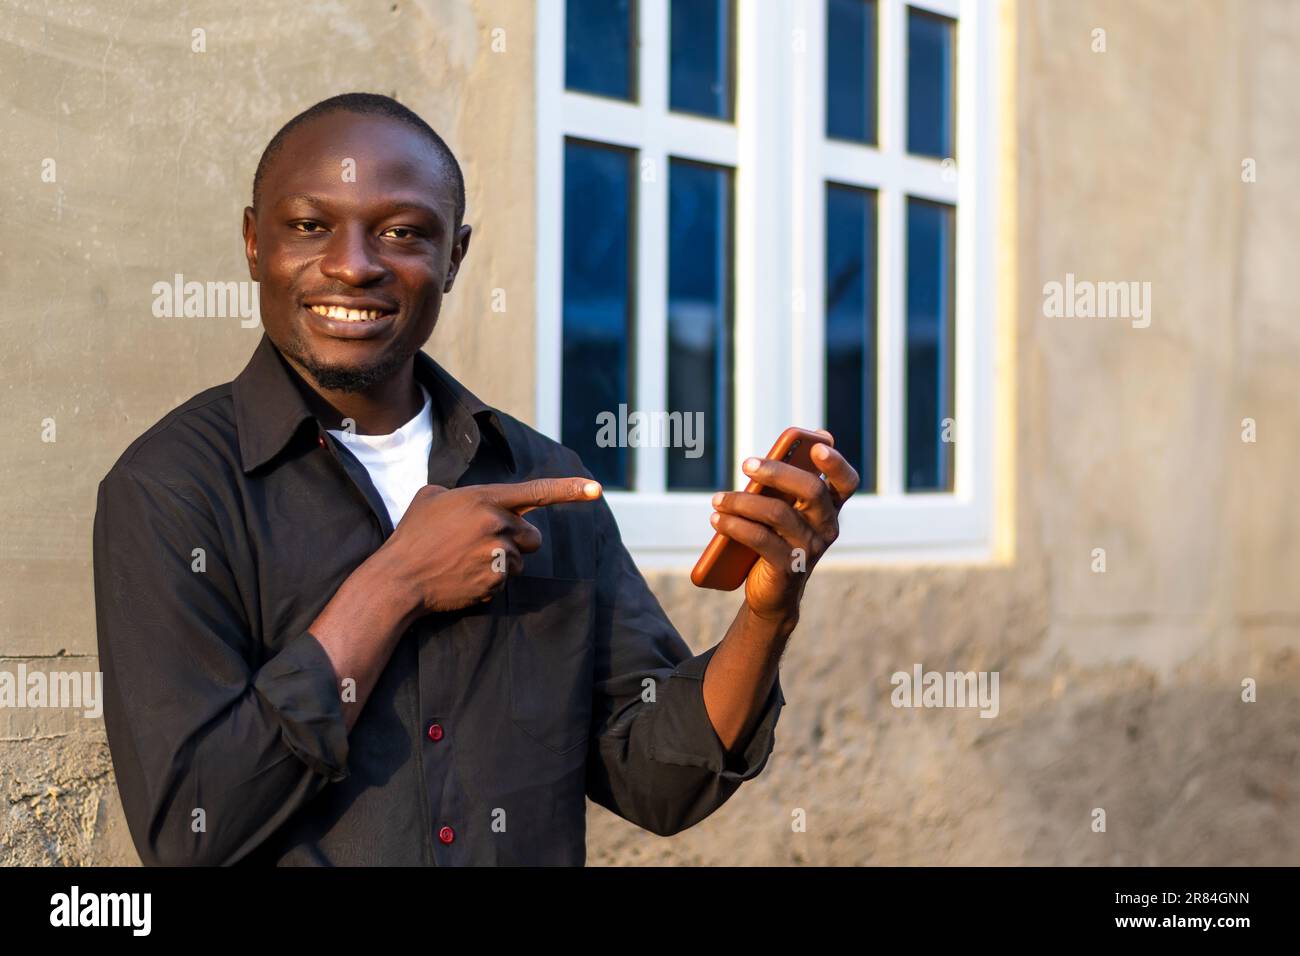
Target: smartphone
[{"x": 725, "y": 563}]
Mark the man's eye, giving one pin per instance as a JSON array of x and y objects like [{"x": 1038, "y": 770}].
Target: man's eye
[
  {"x": 307, "y": 225},
  {"x": 406, "y": 232}
]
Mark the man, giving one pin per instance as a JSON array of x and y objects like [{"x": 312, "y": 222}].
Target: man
[{"x": 329, "y": 635}]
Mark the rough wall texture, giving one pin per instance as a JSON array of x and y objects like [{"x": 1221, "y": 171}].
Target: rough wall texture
[
  {"x": 154, "y": 147},
  {"x": 1118, "y": 690}
]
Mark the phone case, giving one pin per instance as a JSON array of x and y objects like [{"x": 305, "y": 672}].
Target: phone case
[{"x": 725, "y": 564}]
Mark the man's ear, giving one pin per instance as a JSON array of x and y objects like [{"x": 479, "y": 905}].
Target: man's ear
[
  {"x": 458, "y": 252},
  {"x": 250, "y": 242}
]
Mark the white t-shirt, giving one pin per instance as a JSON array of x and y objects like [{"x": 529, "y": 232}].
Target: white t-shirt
[{"x": 398, "y": 462}]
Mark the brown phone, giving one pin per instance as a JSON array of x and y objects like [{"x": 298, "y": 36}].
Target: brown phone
[{"x": 725, "y": 564}]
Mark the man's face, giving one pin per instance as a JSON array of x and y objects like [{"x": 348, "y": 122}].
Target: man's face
[{"x": 356, "y": 213}]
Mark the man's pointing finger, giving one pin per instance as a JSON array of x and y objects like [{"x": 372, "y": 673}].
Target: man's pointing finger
[{"x": 539, "y": 492}]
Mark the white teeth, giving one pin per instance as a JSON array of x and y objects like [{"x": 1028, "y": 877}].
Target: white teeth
[{"x": 347, "y": 315}]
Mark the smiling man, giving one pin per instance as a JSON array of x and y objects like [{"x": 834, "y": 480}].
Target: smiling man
[{"x": 330, "y": 636}]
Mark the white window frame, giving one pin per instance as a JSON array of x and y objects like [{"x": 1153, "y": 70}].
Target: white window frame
[{"x": 782, "y": 160}]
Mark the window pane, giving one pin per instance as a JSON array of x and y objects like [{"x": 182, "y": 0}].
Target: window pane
[
  {"x": 699, "y": 323},
  {"x": 851, "y": 70},
  {"x": 597, "y": 302},
  {"x": 929, "y": 372},
  {"x": 929, "y": 83},
  {"x": 700, "y": 78},
  {"x": 851, "y": 327},
  {"x": 598, "y": 49}
]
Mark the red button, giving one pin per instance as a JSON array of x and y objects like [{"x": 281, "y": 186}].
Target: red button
[
  {"x": 320, "y": 440},
  {"x": 446, "y": 834},
  {"x": 435, "y": 732}
]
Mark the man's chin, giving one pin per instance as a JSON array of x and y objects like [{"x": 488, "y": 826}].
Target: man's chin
[{"x": 337, "y": 377}]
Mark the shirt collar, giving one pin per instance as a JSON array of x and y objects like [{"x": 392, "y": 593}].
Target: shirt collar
[{"x": 269, "y": 408}]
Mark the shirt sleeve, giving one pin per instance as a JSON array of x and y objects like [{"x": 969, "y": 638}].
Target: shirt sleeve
[
  {"x": 211, "y": 755},
  {"x": 655, "y": 758}
]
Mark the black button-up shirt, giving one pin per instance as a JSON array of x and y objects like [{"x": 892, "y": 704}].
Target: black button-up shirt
[{"x": 223, "y": 531}]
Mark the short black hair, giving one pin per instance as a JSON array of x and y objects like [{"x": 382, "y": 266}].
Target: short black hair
[{"x": 375, "y": 104}]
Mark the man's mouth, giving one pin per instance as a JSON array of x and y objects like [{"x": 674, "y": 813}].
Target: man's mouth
[
  {"x": 368, "y": 318},
  {"x": 347, "y": 315}
]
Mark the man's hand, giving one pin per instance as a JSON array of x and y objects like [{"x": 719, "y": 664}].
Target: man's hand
[
  {"x": 454, "y": 548},
  {"x": 442, "y": 556},
  {"x": 789, "y": 539}
]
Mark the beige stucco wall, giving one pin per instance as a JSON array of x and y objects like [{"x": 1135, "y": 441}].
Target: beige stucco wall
[{"x": 1118, "y": 690}]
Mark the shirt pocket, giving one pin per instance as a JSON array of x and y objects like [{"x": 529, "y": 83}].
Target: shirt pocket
[{"x": 551, "y": 658}]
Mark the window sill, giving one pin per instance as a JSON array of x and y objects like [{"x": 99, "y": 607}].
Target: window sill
[{"x": 668, "y": 531}]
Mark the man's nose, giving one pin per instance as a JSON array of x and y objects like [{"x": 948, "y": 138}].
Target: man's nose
[{"x": 350, "y": 257}]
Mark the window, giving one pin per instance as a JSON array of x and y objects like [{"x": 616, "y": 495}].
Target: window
[
  {"x": 851, "y": 70},
  {"x": 851, "y": 326},
  {"x": 597, "y": 298},
  {"x": 929, "y": 83},
  {"x": 753, "y": 215},
  {"x": 700, "y": 321},
  {"x": 600, "y": 48},
  {"x": 701, "y": 75},
  {"x": 928, "y": 369}
]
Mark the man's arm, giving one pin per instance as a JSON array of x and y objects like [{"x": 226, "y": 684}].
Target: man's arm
[
  {"x": 360, "y": 626},
  {"x": 655, "y": 757},
  {"x": 211, "y": 756},
  {"x": 741, "y": 673},
  {"x": 192, "y": 727},
  {"x": 667, "y": 761},
  {"x": 410, "y": 575}
]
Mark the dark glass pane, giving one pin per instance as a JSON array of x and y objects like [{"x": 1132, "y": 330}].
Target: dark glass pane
[
  {"x": 929, "y": 372},
  {"x": 598, "y": 47},
  {"x": 699, "y": 323},
  {"x": 700, "y": 77},
  {"x": 851, "y": 70},
  {"x": 929, "y": 83},
  {"x": 597, "y": 303},
  {"x": 851, "y": 327}
]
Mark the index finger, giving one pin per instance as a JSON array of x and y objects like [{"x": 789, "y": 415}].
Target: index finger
[
  {"x": 524, "y": 496},
  {"x": 842, "y": 477}
]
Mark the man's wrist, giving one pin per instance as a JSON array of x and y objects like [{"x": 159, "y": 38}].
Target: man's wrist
[
  {"x": 380, "y": 574},
  {"x": 780, "y": 624}
]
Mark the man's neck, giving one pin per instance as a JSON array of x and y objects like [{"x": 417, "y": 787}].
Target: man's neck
[{"x": 379, "y": 410}]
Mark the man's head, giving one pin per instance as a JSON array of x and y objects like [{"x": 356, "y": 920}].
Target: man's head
[{"x": 355, "y": 234}]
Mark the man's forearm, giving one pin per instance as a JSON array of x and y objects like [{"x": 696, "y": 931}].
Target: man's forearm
[
  {"x": 741, "y": 673},
  {"x": 361, "y": 625}
]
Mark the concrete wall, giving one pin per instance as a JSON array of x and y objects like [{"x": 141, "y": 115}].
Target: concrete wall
[
  {"x": 155, "y": 147},
  {"x": 1118, "y": 690}
]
